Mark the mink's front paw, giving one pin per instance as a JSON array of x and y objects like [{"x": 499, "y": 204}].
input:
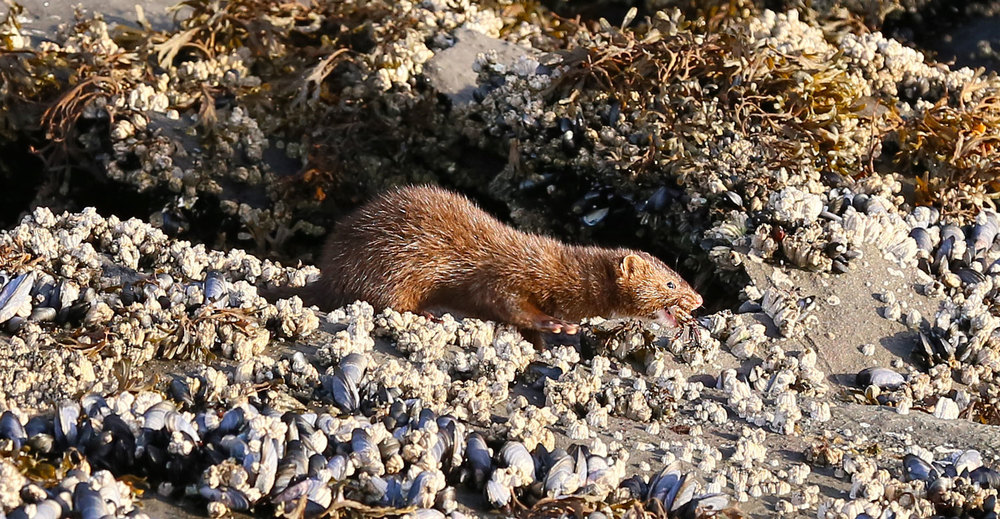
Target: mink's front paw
[{"x": 558, "y": 326}]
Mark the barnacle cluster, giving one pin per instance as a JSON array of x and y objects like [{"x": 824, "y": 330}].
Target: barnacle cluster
[
  {"x": 89, "y": 300},
  {"x": 723, "y": 136}
]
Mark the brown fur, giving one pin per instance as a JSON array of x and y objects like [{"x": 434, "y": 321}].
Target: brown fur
[{"x": 424, "y": 248}]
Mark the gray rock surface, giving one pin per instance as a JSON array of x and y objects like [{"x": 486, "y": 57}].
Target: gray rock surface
[
  {"x": 43, "y": 17},
  {"x": 855, "y": 319},
  {"x": 450, "y": 71}
]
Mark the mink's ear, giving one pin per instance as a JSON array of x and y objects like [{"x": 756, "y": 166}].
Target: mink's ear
[{"x": 631, "y": 265}]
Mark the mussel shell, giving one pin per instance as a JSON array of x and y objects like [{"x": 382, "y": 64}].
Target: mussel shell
[
  {"x": 970, "y": 276},
  {"x": 291, "y": 468},
  {"x": 597, "y": 467},
  {"x": 937, "y": 487},
  {"x": 417, "y": 495},
  {"x": 215, "y": 289},
  {"x": 268, "y": 468},
  {"x": 233, "y": 499},
  {"x": 88, "y": 502},
  {"x": 131, "y": 295},
  {"x": 835, "y": 249},
  {"x": 394, "y": 493},
  {"x": 155, "y": 418},
  {"x": 594, "y": 217},
  {"x": 43, "y": 314},
  {"x": 181, "y": 391},
  {"x": 114, "y": 448},
  {"x": 922, "y": 238},
  {"x": 425, "y": 417},
  {"x": 933, "y": 348},
  {"x": 658, "y": 200},
  {"x": 952, "y": 232},
  {"x": 944, "y": 251},
  {"x": 74, "y": 313},
  {"x": 732, "y": 198},
  {"x": 314, "y": 440},
  {"x": 337, "y": 465},
  {"x": 915, "y": 468},
  {"x": 636, "y": 487},
  {"x": 990, "y": 503},
  {"x": 67, "y": 293},
  {"x": 664, "y": 482},
  {"x": 38, "y": 425},
  {"x": 860, "y": 202},
  {"x": 232, "y": 421},
  {"x": 580, "y": 454},
  {"x": 560, "y": 477},
  {"x": 176, "y": 422},
  {"x": 42, "y": 442},
  {"x": 985, "y": 230},
  {"x": 294, "y": 491},
  {"x": 613, "y": 113},
  {"x": 884, "y": 378},
  {"x": 15, "y": 294},
  {"x": 838, "y": 204},
  {"x": 343, "y": 390},
  {"x": 11, "y": 429},
  {"x": 94, "y": 405},
  {"x": 703, "y": 506},
  {"x": 353, "y": 366},
  {"x": 234, "y": 446},
  {"x": 985, "y": 477},
  {"x": 363, "y": 446},
  {"x": 389, "y": 447},
  {"x": 326, "y": 423},
  {"x": 48, "y": 509},
  {"x": 515, "y": 454},
  {"x": 317, "y": 462},
  {"x": 454, "y": 432},
  {"x": 827, "y": 215},
  {"x": 397, "y": 414},
  {"x": 477, "y": 457},
  {"x": 681, "y": 494},
  {"x": 66, "y": 429}
]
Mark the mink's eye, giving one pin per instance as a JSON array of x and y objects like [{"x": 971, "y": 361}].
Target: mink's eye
[{"x": 671, "y": 285}]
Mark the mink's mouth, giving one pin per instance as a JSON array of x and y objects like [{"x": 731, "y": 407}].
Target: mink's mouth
[{"x": 666, "y": 317}]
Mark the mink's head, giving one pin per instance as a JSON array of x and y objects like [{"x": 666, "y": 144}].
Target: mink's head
[{"x": 649, "y": 288}]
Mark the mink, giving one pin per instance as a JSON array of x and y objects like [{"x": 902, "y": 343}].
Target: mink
[{"x": 424, "y": 249}]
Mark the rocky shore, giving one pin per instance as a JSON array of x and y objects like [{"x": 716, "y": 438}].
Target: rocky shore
[{"x": 820, "y": 174}]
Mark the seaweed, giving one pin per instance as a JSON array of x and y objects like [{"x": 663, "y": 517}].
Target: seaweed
[{"x": 950, "y": 149}]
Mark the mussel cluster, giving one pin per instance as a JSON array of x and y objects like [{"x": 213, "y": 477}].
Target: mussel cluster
[
  {"x": 40, "y": 297},
  {"x": 957, "y": 254},
  {"x": 75, "y": 285},
  {"x": 252, "y": 457},
  {"x": 963, "y": 261},
  {"x": 958, "y": 485}
]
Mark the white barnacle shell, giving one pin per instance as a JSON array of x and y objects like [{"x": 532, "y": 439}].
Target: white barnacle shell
[{"x": 795, "y": 207}]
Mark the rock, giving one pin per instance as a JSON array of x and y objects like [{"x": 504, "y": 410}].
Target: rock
[{"x": 450, "y": 71}]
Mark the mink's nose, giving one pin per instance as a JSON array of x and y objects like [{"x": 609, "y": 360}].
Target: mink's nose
[{"x": 697, "y": 300}]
